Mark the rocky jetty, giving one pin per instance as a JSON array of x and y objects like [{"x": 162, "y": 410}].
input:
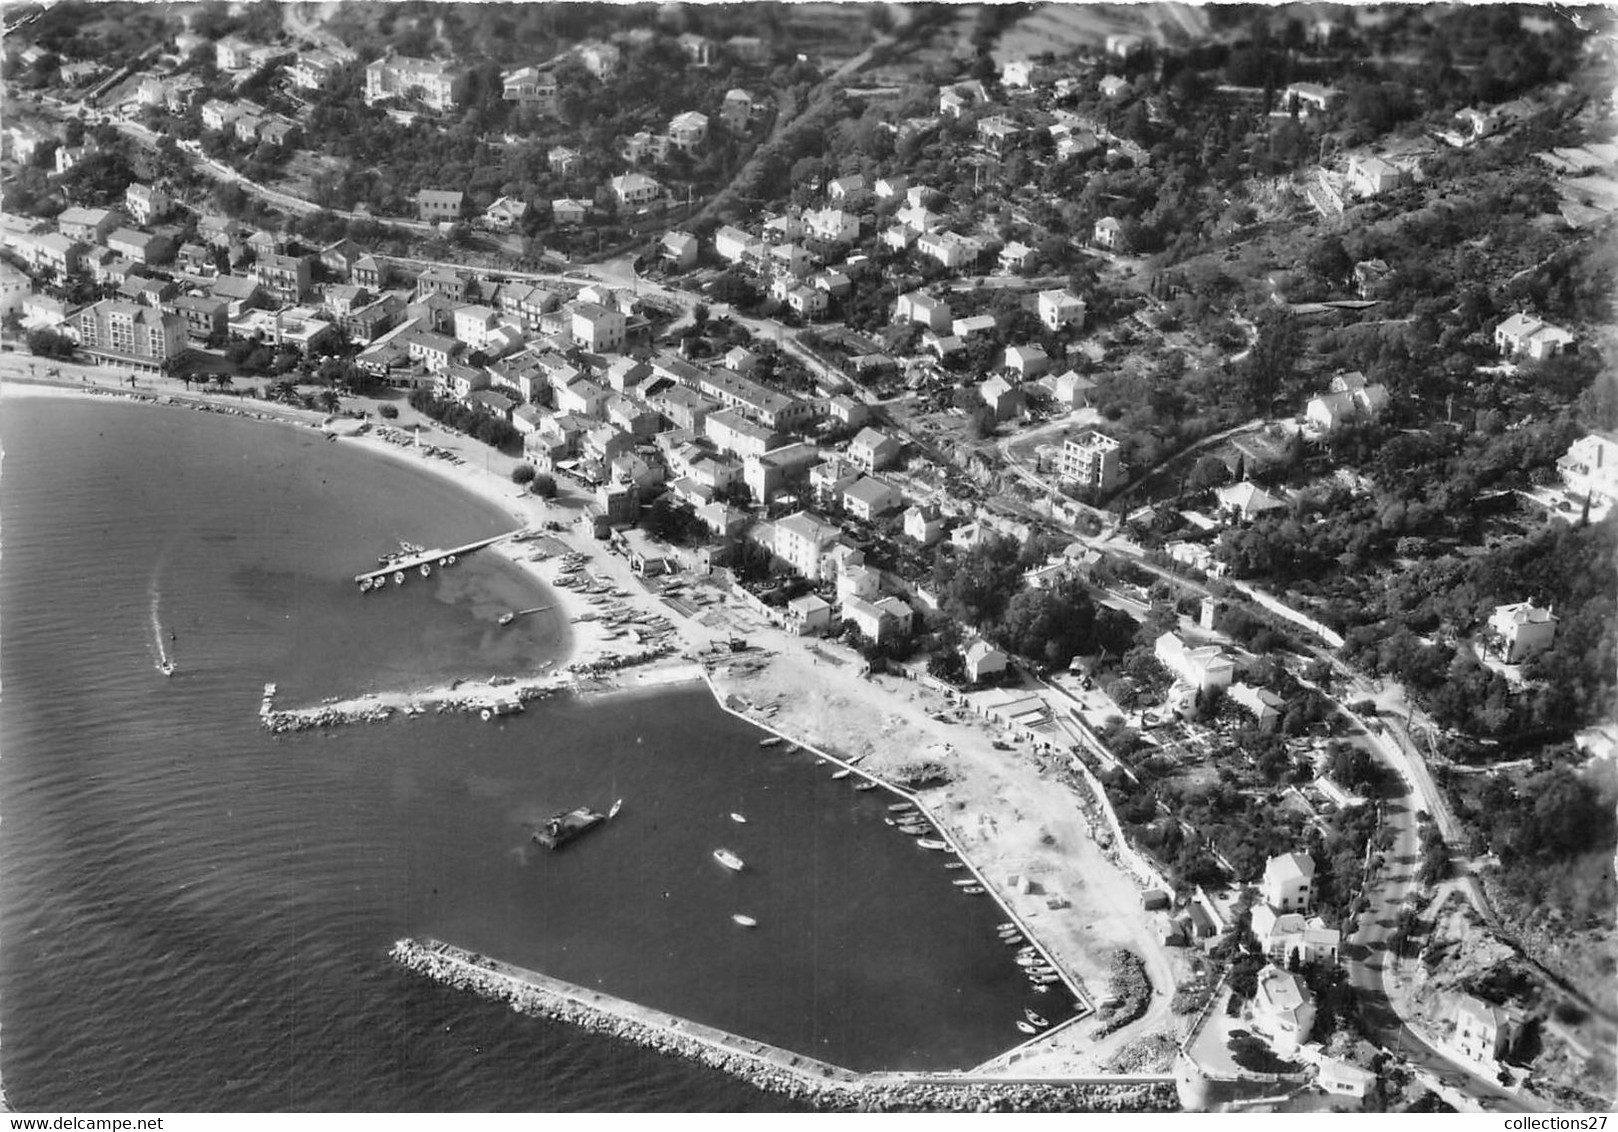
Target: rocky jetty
[{"x": 766, "y": 1067}]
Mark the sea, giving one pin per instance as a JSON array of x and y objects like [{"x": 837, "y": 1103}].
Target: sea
[{"x": 195, "y": 914}]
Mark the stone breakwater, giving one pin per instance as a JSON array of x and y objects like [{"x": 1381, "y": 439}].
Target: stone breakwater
[
  {"x": 765, "y": 1067},
  {"x": 499, "y": 696}
]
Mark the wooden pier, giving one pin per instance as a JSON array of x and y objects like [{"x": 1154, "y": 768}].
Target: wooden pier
[{"x": 409, "y": 562}]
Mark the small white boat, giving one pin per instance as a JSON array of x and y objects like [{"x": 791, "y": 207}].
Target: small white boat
[
  {"x": 1026, "y": 1027},
  {"x": 955, "y": 865},
  {"x": 745, "y": 921},
  {"x": 962, "y": 883},
  {"x": 932, "y": 843},
  {"x": 166, "y": 668},
  {"x": 507, "y": 618},
  {"x": 616, "y": 806},
  {"x": 729, "y": 860},
  {"x": 398, "y": 577},
  {"x": 772, "y": 741},
  {"x": 735, "y": 817},
  {"x": 443, "y": 561},
  {"x": 1034, "y": 1018},
  {"x": 975, "y": 890},
  {"x": 866, "y": 786},
  {"x": 842, "y": 774},
  {"x": 426, "y": 570},
  {"x": 450, "y": 561},
  {"x": 900, "y": 807}
]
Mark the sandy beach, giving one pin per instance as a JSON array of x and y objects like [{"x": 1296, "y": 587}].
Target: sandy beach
[{"x": 1020, "y": 827}]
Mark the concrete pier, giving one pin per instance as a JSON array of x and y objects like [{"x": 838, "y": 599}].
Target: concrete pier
[
  {"x": 768, "y": 1067},
  {"x": 409, "y": 562}
]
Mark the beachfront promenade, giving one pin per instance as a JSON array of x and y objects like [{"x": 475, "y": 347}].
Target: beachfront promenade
[{"x": 768, "y": 1067}]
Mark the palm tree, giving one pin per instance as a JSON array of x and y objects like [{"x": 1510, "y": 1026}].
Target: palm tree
[{"x": 329, "y": 400}]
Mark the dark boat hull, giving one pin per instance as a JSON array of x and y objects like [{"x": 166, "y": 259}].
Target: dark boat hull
[{"x": 563, "y": 828}]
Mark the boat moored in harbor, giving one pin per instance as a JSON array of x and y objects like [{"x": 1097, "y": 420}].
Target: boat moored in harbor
[
  {"x": 729, "y": 860},
  {"x": 1026, "y": 1027},
  {"x": 772, "y": 741},
  {"x": 932, "y": 843},
  {"x": 841, "y": 774},
  {"x": 559, "y": 829}
]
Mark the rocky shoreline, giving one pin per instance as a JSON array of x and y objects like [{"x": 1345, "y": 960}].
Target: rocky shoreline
[{"x": 803, "y": 1079}]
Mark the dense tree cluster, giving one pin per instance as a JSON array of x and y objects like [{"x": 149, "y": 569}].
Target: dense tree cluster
[
  {"x": 479, "y": 424},
  {"x": 1554, "y": 833}
]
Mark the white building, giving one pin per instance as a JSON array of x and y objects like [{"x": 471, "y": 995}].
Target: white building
[
  {"x": 869, "y": 498},
  {"x": 1371, "y": 175},
  {"x": 1590, "y": 467},
  {"x": 435, "y": 83},
  {"x": 597, "y": 328},
  {"x": 950, "y": 248},
  {"x": 1348, "y": 398},
  {"x": 1524, "y": 335},
  {"x": 1205, "y": 668},
  {"x": 800, "y": 541},
  {"x": 1092, "y": 459},
  {"x": 1060, "y": 307},
  {"x": 689, "y": 130},
  {"x": 1283, "y": 1010},
  {"x": 1522, "y": 630},
  {"x": 832, "y": 225},
  {"x": 984, "y": 660},
  {"x": 1284, "y": 934},
  {"x": 1289, "y": 882},
  {"x": 1483, "y": 1031},
  {"x": 918, "y": 306},
  {"x": 924, "y": 525},
  {"x": 634, "y": 189}
]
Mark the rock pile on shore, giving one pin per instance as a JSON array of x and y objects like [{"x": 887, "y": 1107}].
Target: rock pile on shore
[
  {"x": 616, "y": 661},
  {"x": 804, "y": 1079}
]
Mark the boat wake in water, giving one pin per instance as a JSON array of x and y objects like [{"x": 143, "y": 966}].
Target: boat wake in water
[{"x": 165, "y": 663}]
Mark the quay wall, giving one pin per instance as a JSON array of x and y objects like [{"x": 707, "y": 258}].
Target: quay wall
[{"x": 764, "y": 1066}]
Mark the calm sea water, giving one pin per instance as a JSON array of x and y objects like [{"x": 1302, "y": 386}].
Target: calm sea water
[{"x": 195, "y": 915}]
